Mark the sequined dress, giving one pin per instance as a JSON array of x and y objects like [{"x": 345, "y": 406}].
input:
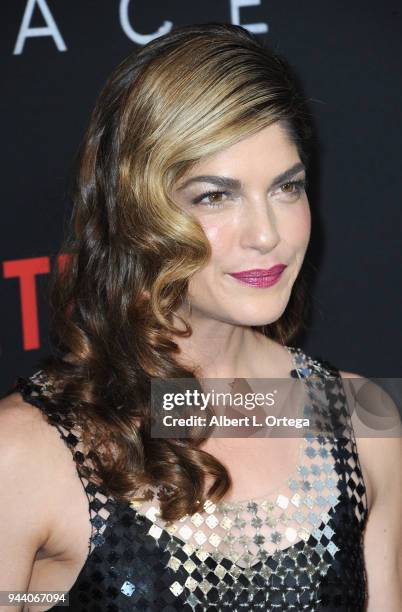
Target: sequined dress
[{"x": 299, "y": 548}]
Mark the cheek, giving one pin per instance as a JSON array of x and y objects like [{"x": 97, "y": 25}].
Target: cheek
[
  {"x": 297, "y": 229},
  {"x": 211, "y": 231},
  {"x": 219, "y": 237}
]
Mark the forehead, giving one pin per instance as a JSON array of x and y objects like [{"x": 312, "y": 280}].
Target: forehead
[{"x": 269, "y": 148}]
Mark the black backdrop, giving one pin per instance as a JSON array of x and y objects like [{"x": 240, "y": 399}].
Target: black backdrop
[{"x": 56, "y": 54}]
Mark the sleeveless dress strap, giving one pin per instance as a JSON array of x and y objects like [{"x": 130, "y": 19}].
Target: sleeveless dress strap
[
  {"x": 352, "y": 480},
  {"x": 36, "y": 390}
]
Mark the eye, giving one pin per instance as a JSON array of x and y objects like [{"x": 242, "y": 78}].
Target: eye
[
  {"x": 214, "y": 199},
  {"x": 293, "y": 189}
]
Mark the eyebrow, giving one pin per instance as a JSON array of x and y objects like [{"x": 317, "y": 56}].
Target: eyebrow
[{"x": 226, "y": 182}]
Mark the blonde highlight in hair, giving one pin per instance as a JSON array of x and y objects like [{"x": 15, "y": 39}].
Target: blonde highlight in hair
[{"x": 132, "y": 250}]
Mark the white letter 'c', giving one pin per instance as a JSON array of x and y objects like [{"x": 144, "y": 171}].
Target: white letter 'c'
[{"x": 140, "y": 39}]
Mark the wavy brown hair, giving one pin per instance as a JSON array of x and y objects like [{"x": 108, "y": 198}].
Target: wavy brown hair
[{"x": 131, "y": 250}]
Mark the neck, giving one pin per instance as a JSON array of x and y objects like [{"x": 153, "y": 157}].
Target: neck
[{"x": 221, "y": 350}]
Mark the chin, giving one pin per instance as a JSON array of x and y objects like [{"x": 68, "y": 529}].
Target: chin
[
  {"x": 263, "y": 313},
  {"x": 262, "y": 318}
]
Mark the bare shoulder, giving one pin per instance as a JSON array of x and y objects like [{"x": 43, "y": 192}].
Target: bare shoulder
[
  {"x": 377, "y": 425},
  {"x": 24, "y": 431},
  {"x": 29, "y": 443},
  {"x": 37, "y": 470},
  {"x": 22, "y": 426}
]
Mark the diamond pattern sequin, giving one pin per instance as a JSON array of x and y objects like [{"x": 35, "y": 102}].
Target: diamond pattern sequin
[{"x": 298, "y": 548}]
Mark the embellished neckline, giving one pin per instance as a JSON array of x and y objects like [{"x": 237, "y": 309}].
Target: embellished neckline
[
  {"x": 301, "y": 370},
  {"x": 294, "y": 511}
]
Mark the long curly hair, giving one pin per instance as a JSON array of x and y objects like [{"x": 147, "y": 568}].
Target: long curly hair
[{"x": 130, "y": 250}]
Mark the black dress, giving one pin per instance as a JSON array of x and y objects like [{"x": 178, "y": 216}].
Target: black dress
[{"x": 296, "y": 548}]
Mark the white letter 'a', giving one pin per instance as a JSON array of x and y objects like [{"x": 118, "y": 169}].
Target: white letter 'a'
[
  {"x": 27, "y": 32},
  {"x": 255, "y": 28},
  {"x": 140, "y": 39}
]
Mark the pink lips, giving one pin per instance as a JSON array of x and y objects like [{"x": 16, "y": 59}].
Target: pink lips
[{"x": 260, "y": 277}]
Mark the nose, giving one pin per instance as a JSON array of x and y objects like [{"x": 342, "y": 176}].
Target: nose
[{"x": 259, "y": 226}]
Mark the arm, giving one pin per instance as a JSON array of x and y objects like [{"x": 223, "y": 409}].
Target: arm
[
  {"x": 23, "y": 518},
  {"x": 383, "y": 537},
  {"x": 381, "y": 462},
  {"x": 44, "y": 514}
]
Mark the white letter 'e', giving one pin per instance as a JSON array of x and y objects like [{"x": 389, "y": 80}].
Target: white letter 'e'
[{"x": 255, "y": 28}]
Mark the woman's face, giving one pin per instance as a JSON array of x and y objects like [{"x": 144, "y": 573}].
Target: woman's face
[{"x": 255, "y": 217}]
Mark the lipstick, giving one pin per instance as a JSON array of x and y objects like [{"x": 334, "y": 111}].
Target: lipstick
[{"x": 260, "y": 277}]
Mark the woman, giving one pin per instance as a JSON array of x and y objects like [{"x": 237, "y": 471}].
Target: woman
[{"x": 191, "y": 181}]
